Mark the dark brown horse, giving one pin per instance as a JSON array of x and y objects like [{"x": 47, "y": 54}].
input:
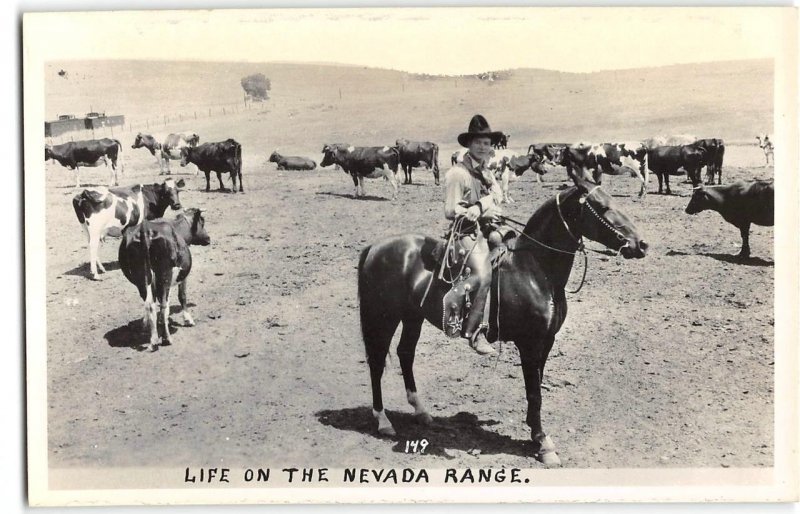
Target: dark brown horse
[{"x": 393, "y": 276}]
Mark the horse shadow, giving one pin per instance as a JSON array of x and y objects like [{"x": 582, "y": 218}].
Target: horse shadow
[
  {"x": 85, "y": 271},
  {"x": 133, "y": 335},
  {"x": 732, "y": 259},
  {"x": 354, "y": 197},
  {"x": 462, "y": 431}
]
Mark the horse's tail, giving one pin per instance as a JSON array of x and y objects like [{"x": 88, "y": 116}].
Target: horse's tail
[
  {"x": 375, "y": 352},
  {"x": 361, "y": 286}
]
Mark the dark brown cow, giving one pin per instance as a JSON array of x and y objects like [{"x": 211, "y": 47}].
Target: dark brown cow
[
  {"x": 418, "y": 153},
  {"x": 149, "y": 256},
  {"x": 715, "y": 152},
  {"x": 224, "y": 157},
  {"x": 289, "y": 162},
  {"x": 740, "y": 204},
  {"x": 670, "y": 160},
  {"x": 91, "y": 153},
  {"x": 103, "y": 210}
]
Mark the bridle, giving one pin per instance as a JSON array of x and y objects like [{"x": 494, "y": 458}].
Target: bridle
[{"x": 578, "y": 240}]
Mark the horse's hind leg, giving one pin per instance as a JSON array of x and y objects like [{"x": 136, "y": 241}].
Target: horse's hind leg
[
  {"x": 405, "y": 353},
  {"x": 376, "y": 341}
]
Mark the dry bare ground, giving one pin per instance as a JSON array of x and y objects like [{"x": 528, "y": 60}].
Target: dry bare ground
[{"x": 663, "y": 362}]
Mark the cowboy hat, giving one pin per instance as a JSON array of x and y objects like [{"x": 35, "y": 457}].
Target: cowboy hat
[{"x": 478, "y": 126}]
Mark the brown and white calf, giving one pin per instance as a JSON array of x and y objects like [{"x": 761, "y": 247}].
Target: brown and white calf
[
  {"x": 740, "y": 204},
  {"x": 91, "y": 153},
  {"x": 102, "y": 210},
  {"x": 172, "y": 148},
  {"x": 154, "y": 257}
]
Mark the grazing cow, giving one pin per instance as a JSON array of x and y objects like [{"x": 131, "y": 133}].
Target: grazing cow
[
  {"x": 224, "y": 157},
  {"x": 547, "y": 153},
  {"x": 418, "y": 153},
  {"x": 502, "y": 142},
  {"x": 89, "y": 153},
  {"x": 286, "y": 162},
  {"x": 101, "y": 210},
  {"x": 365, "y": 162},
  {"x": 715, "y": 152},
  {"x": 668, "y": 160},
  {"x": 680, "y": 139},
  {"x": 766, "y": 145},
  {"x": 151, "y": 254},
  {"x": 740, "y": 204},
  {"x": 173, "y": 147}
]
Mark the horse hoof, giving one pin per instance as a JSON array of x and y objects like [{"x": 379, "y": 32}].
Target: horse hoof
[
  {"x": 387, "y": 432},
  {"x": 424, "y": 419},
  {"x": 550, "y": 459}
]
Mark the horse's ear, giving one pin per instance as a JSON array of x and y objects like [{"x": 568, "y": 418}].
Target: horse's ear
[{"x": 582, "y": 180}]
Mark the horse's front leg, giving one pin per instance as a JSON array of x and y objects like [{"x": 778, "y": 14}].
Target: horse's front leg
[{"x": 532, "y": 369}]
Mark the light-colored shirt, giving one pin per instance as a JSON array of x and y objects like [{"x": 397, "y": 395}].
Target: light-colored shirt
[{"x": 462, "y": 188}]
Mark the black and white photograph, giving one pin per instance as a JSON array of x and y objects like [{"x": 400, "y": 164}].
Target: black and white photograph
[{"x": 411, "y": 255}]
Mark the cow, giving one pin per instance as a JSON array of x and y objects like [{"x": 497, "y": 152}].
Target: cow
[
  {"x": 502, "y": 142},
  {"x": 365, "y": 162},
  {"x": 715, "y": 152},
  {"x": 154, "y": 256},
  {"x": 102, "y": 210},
  {"x": 334, "y": 146},
  {"x": 766, "y": 145},
  {"x": 292, "y": 162},
  {"x": 740, "y": 204},
  {"x": 608, "y": 159},
  {"x": 668, "y": 160},
  {"x": 173, "y": 147},
  {"x": 418, "y": 153},
  {"x": 153, "y": 146},
  {"x": 223, "y": 157},
  {"x": 547, "y": 153},
  {"x": 89, "y": 153}
]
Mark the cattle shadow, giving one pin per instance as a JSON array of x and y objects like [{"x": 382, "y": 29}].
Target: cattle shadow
[
  {"x": 82, "y": 186},
  {"x": 85, "y": 271},
  {"x": 462, "y": 431},
  {"x": 132, "y": 335},
  {"x": 354, "y": 197},
  {"x": 726, "y": 257}
]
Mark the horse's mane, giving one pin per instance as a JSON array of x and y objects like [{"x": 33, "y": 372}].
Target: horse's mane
[{"x": 537, "y": 219}]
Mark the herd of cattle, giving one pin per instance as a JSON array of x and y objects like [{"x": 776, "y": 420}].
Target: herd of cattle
[{"x": 154, "y": 253}]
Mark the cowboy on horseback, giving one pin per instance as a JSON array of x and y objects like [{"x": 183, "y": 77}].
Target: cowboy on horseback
[{"x": 472, "y": 199}]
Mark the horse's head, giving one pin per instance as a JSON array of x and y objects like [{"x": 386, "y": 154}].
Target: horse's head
[{"x": 602, "y": 222}]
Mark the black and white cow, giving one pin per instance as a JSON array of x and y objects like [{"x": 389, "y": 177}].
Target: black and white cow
[
  {"x": 290, "y": 162},
  {"x": 223, "y": 157},
  {"x": 365, "y": 162},
  {"x": 153, "y": 146},
  {"x": 418, "y": 153},
  {"x": 102, "y": 210},
  {"x": 548, "y": 153},
  {"x": 740, "y": 204},
  {"x": 173, "y": 146},
  {"x": 592, "y": 161},
  {"x": 91, "y": 153},
  {"x": 155, "y": 256}
]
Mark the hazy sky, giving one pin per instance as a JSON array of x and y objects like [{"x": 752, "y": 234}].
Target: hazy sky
[{"x": 431, "y": 40}]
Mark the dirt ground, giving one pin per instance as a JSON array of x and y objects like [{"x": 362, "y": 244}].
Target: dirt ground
[{"x": 662, "y": 362}]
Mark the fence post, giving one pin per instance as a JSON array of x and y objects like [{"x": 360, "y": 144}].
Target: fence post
[
  {"x": 195, "y": 114},
  {"x": 112, "y": 130},
  {"x": 340, "y": 93},
  {"x": 148, "y": 123},
  {"x": 223, "y": 110},
  {"x": 209, "y": 112},
  {"x": 165, "y": 119}
]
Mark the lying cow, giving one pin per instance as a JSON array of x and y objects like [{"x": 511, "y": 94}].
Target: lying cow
[
  {"x": 418, "y": 153},
  {"x": 670, "y": 160},
  {"x": 89, "y": 153},
  {"x": 740, "y": 204},
  {"x": 102, "y": 210},
  {"x": 224, "y": 157},
  {"x": 715, "y": 152},
  {"x": 173, "y": 146},
  {"x": 151, "y": 254},
  {"x": 365, "y": 162},
  {"x": 288, "y": 162}
]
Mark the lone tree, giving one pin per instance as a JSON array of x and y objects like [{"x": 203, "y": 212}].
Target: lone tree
[{"x": 256, "y": 86}]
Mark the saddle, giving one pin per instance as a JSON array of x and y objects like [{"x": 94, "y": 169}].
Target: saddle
[{"x": 446, "y": 260}]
